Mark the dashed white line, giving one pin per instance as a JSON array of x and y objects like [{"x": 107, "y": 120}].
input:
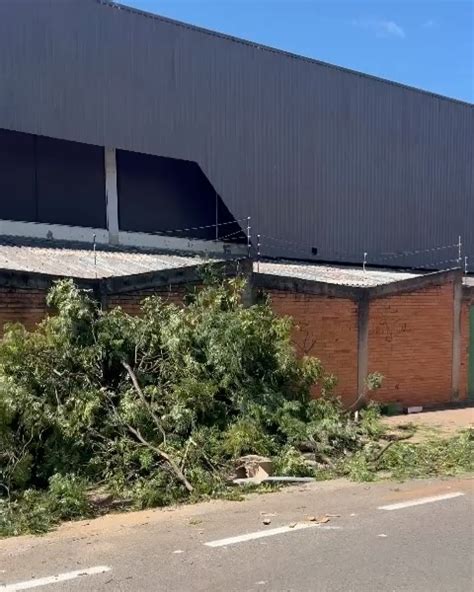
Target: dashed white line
[
  {"x": 422, "y": 500},
  {"x": 63, "y": 577},
  {"x": 260, "y": 534}
]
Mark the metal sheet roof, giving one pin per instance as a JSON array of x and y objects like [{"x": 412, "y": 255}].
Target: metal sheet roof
[
  {"x": 81, "y": 263},
  {"x": 76, "y": 261},
  {"x": 343, "y": 276}
]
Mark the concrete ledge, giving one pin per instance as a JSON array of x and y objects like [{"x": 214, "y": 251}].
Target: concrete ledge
[
  {"x": 122, "y": 284},
  {"x": 80, "y": 234},
  {"x": 176, "y": 276},
  {"x": 427, "y": 280},
  {"x": 356, "y": 293},
  {"x": 38, "y": 281},
  {"x": 268, "y": 281},
  {"x": 173, "y": 243},
  {"x": 54, "y": 232}
]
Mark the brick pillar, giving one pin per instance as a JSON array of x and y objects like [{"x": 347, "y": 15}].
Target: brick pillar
[
  {"x": 362, "y": 347},
  {"x": 456, "y": 359}
]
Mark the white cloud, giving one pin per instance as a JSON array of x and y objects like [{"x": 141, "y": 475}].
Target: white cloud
[
  {"x": 381, "y": 27},
  {"x": 429, "y": 24}
]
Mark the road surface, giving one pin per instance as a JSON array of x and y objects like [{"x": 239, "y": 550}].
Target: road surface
[{"x": 385, "y": 537}]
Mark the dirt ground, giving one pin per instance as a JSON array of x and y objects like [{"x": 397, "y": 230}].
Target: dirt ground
[{"x": 444, "y": 423}]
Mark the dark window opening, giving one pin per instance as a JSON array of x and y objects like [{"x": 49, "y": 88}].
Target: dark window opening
[
  {"x": 170, "y": 196},
  {"x": 52, "y": 181},
  {"x": 17, "y": 176},
  {"x": 71, "y": 183}
]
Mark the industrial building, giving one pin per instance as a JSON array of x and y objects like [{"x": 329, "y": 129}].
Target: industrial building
[
  {"x": 417, "y": 330},
  {"x": 131, "y": 145},
  {"x": 134, "y": 128}
]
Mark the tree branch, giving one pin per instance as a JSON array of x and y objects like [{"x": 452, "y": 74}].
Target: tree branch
[
  {"x": 176, "y": 470},
  {"x": 387, "y": 446},
  {"x": 156, "y": 419}
]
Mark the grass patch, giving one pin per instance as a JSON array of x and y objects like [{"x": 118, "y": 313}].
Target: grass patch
[{"x": 438, "y": 456}]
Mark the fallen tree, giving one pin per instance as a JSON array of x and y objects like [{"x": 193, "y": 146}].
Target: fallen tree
[{"x": 154, "y": 409}]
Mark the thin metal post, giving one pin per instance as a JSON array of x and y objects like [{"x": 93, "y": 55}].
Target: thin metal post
[
  {"x": 365, "y": 261},
  {"x": 248, "y": 236},
  {"x": 459, "y": 251},
  {"x": 258, "y": 253},
  {"x": 466, "y": 267}
]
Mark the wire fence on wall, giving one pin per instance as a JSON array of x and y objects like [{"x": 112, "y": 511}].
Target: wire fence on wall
[
  {"x": 427, "y": 258},
  {"x": 435, "y": 257},
  {"x": 438, "y": 257}
]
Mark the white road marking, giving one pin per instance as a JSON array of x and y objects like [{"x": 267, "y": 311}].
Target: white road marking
[
  {"x": 421, "y": 500},
  {"x": 63, "y": 577},
  {"x": 260, "y": 534}
]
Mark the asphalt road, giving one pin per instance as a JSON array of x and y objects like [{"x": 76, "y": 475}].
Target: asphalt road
[{"x": 411, "y": 537}]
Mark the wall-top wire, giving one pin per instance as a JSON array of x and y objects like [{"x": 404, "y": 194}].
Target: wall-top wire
[
  {"x": 204, "y": 227},
  {"x": 420, "y": 258}
]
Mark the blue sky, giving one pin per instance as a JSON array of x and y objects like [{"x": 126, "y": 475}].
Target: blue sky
[{"x": 424, "y": 43}]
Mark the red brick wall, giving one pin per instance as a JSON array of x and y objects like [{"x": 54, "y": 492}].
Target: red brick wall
[
  {"x": 22, "y": 306},
  {"x": 463, "y": 382},
  {"x": 410, "y": 335},
  {"x": 131, "y": 302},
  {"x": 410, "y": 343},
  {"x": 27, "y": 306},
  {"x": 329, "y": 325}
]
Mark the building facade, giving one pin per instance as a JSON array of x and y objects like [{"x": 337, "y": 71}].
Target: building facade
[{"x": 127, "y": 125}]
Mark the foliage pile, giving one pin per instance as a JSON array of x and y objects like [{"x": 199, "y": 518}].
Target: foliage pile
[{"x": 153, "y": 409}]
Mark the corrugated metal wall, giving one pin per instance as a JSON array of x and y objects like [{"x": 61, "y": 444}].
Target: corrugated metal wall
[{"x": 316, "y": 155}]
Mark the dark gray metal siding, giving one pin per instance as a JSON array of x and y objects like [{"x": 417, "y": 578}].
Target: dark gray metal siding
[{"x": 315, "y": 154}]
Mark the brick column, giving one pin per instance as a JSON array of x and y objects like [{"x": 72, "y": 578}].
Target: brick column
[
  {"x": 456, "y": 359},
  {"x": 362, "y": 346}
]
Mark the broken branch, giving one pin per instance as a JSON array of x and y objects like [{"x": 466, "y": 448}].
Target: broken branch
[
  {"x": 387, "y": 446},
  {"x": 174, "y": 467},
  {"x": 143, "y": 399}
]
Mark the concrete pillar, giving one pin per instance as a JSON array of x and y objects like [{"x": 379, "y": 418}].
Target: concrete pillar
[
  {"x": 456, "y": 357},
  {"x": 111, "y": 195},
  {"x": 362, "y": 348}
]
